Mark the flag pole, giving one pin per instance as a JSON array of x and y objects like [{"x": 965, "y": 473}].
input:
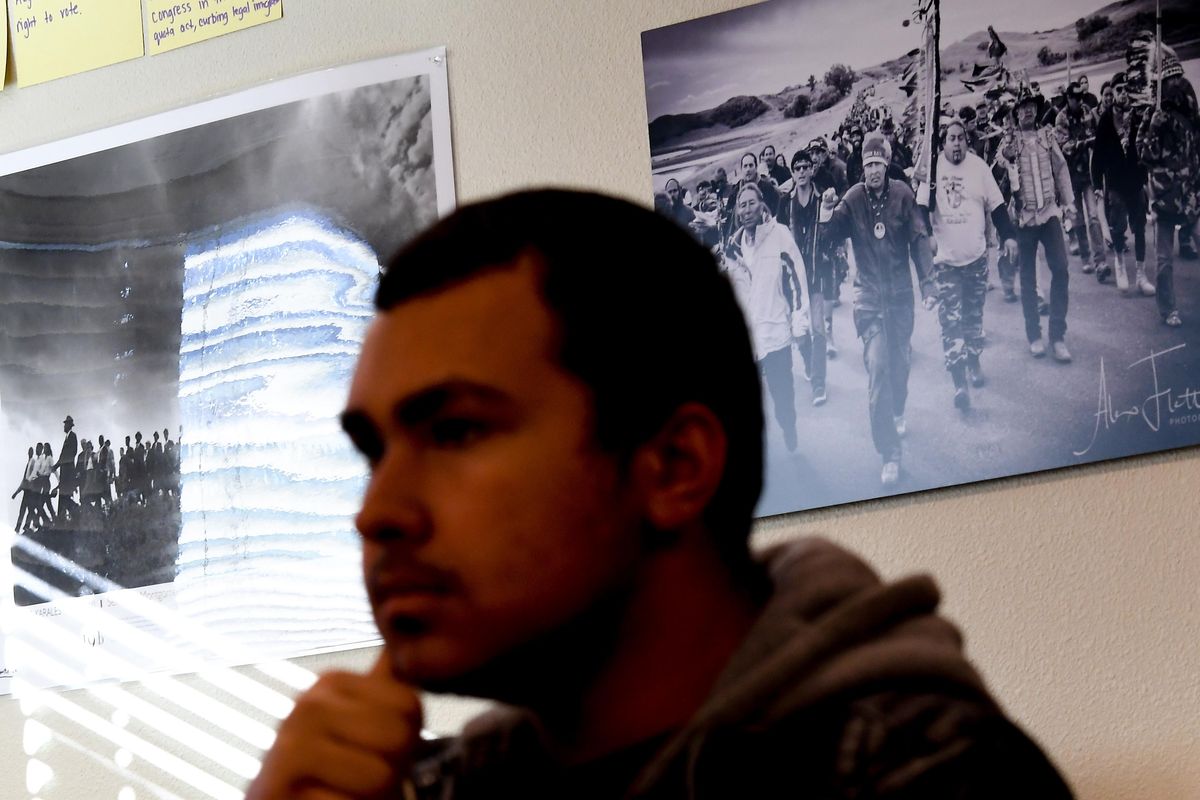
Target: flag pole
[{"x": 1158, "y": 65}]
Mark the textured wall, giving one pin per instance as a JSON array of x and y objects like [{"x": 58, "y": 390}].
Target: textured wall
[{"x": 1079, "y": 590}]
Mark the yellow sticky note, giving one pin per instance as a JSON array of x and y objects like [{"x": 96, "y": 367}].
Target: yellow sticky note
[
  {"x": 175, "y": 23},
  {"x": 3, "y": 61},
  {"x": 55, "y": 38}
]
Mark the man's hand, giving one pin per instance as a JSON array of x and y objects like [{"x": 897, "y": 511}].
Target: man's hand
[
  {"x": 799, "y": 324},
  {"x": 350, "y": 737},
  {"x": 829, "y": 199},
  {"x": 1011, "y": 251},
  {"x": 1072, "y": 217}
]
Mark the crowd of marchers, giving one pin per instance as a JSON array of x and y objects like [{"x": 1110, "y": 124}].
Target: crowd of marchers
[
  {"x": 1012, "y": 174},
  {"x": 88, "y": 478}
]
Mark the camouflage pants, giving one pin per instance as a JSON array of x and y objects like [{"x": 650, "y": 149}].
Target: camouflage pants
[{"x": 961, "y": 292}]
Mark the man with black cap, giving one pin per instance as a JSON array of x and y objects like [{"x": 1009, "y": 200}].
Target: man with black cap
[
  {"x": 882, "y": 221},
  {"x": 829, "y": 171},
  {"x": 1076, "y": 131},
  {"x": 967, "y": 196},
  {"x": 67, "y": 472},
  {"x": 1041, "y": 181}
]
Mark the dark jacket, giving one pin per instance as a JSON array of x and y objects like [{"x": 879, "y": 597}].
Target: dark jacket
[
  {"x": 1115, "y": 163},
  {"x": 845, "y": 688},
  {"x": 884, "y": 278},
  {"x": 818, "y": 254},
  {"x": 831, "y": 175},
  {"x": 1076, "y": 131}
]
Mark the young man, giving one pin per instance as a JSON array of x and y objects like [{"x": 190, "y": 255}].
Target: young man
[
  {"x": 1041, "y": 181},
  {"x": 768, "y": 274},
  {"x": 881, "y": 219},
  {"x": 798, "y": 212},
  {"x": 967, "y": 196},
  {"x": 557, "y": 518}
]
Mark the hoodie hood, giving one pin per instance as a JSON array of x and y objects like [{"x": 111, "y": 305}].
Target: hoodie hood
[{"x": 830, "y": 629}]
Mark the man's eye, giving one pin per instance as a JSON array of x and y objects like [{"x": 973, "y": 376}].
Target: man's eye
[{"x": 455, "y": 431}]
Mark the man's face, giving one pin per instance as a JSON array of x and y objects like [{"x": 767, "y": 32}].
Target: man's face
[
  {"x": 722, "y": 178},
  {"x": 956, "y": 144},
  {"x": 1107, "y": 97},
  {"x": 818, "y": 156},
  {"x": 768, "y": 155},
  {"x": 1120, "y": 96},
  {"x": 873, "y": 175},
  {"x": 856, "y": 139},
  {"x": 1026, "y": 115},
  {"x": 802, "y": 173},
  {"x": 66, "y": 427},
  {"x": 749, "y": 168},
  {"x": 673, "y": 190},
  {"x": 491, "y": 522},
  {"x": 1074, "y": 101},
  {"x": 749, "y": 209}
]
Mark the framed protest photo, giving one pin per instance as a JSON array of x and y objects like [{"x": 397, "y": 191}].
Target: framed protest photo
[
  {"x": 183, "y": 300},
  {"x": 963, "y": 233}
]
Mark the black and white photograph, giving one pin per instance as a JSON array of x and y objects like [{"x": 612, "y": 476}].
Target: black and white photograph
[
  {"x": 964, "y": 233},
  {"x": 183, "y": 299}
]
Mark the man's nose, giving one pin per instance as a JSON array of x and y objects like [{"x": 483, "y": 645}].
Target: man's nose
[{"x": 393, "y": 506}]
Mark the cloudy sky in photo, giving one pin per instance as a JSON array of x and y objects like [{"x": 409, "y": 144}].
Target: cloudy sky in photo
[{"x": 761, "y": 49}]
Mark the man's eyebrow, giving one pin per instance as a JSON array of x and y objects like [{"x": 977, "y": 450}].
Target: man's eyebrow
[
  {"x": 427, "y": 403},
  {"x": 424, "y": 405}
]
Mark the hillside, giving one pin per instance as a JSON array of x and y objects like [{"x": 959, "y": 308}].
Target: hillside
[
  {"x": 733, "y": 113},
  {"x": 1181, "y": 24}
]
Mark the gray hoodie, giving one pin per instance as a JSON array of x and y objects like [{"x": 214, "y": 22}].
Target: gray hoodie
[{"x": 845, "y": 687}]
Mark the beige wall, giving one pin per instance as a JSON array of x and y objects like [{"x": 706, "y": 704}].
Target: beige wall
[{"x": 1079, "y": 590}]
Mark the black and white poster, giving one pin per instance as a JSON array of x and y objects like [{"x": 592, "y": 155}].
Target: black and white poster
[
  {"x": 1072, "y": 337},
  {"x": 183, "y": 299}
]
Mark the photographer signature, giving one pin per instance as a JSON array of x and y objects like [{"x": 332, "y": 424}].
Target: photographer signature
[{"x": 1152, "y": 410}]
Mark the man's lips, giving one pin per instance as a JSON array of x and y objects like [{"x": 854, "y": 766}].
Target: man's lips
[{"x": 408, "y": 592}]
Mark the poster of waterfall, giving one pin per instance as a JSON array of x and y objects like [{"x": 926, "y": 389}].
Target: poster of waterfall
[{"x": 182, "y": 299}]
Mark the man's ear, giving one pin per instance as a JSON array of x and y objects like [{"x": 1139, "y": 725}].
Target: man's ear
[{"x": 680, "y": 468}]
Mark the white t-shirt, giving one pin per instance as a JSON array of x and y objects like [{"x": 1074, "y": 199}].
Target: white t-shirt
[{"x": 966, "y": 195}]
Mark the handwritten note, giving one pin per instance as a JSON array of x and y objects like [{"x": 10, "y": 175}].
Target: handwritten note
[
  {"x": 55, "y": 38},
  {"x": 175, "y": 23}
]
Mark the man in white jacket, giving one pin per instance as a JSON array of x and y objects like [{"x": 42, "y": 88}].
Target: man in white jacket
[{"x": 768, "y": 274}]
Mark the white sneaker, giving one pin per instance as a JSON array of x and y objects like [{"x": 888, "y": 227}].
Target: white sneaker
[
  {"x": 1143, "y": 283},
  {"x": 891, "y": 473},
  {"x": 1121, "y": 273}
]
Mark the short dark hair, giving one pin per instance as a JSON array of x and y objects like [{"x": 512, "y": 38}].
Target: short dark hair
[
  {"x": 647, "y": 327},
  {"x": 801, "y": 155}
]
